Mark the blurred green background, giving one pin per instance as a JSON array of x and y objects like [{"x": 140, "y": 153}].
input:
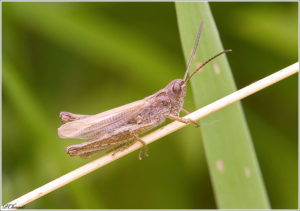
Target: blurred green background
[{"x": 90, "y": 57}]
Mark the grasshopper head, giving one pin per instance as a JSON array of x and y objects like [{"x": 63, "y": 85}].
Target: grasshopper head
[
  {"x": 176, "y": 91},
  {"x": 176, "y": 88}
]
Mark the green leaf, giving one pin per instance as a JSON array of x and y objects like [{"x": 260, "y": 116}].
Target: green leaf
[{"x": 232, "y": 162}]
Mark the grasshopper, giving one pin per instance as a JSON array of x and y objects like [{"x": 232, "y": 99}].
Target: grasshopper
[{"x": 119, "y": 128}]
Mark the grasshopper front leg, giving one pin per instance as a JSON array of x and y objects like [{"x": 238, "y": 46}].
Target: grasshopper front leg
[
  {"x": 68, "y": 117},
  {"x": 183, "y": 120},
  {"x": 118, "y": 142}
]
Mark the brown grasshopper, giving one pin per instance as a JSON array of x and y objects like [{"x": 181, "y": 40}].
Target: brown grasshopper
[{"x": 119, "y": 128}]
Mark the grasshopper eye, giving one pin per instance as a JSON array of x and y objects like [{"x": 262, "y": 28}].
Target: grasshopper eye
[{"x": 176, "y": 88}]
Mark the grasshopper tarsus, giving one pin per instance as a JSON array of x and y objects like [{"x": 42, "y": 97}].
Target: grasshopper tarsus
[
  {"x": 145, "y": 153},
  {"x": 193, "y": 121},
  {"x": 140, "y": 154},
  {"x": 196, "y": 123}
]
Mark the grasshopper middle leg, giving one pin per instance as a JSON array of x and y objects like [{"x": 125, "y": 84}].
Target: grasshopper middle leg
[
  {"x": 144, "y": 146},
  {"x": 133, "y": 139}
]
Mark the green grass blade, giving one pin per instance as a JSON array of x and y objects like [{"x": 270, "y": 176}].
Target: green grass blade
[{"x": 232, "y": 162}]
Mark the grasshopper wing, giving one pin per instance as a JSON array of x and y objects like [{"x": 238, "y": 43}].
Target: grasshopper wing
[{"x": 91, "y": 126}]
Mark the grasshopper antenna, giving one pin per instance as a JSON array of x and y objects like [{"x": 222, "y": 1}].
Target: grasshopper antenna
[
  {"x": 194, "y": 51},
  {"x": 212, "y": 58}
]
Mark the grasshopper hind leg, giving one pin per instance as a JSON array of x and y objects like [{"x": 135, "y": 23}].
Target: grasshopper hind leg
[
  {"x": 117, "y": 142},
  {"x": 122, "y": 147},
  {"x": 89, "y": 154}
]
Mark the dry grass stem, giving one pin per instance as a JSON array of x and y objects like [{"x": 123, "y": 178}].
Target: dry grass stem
[{"x": 161, "y": 132}]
